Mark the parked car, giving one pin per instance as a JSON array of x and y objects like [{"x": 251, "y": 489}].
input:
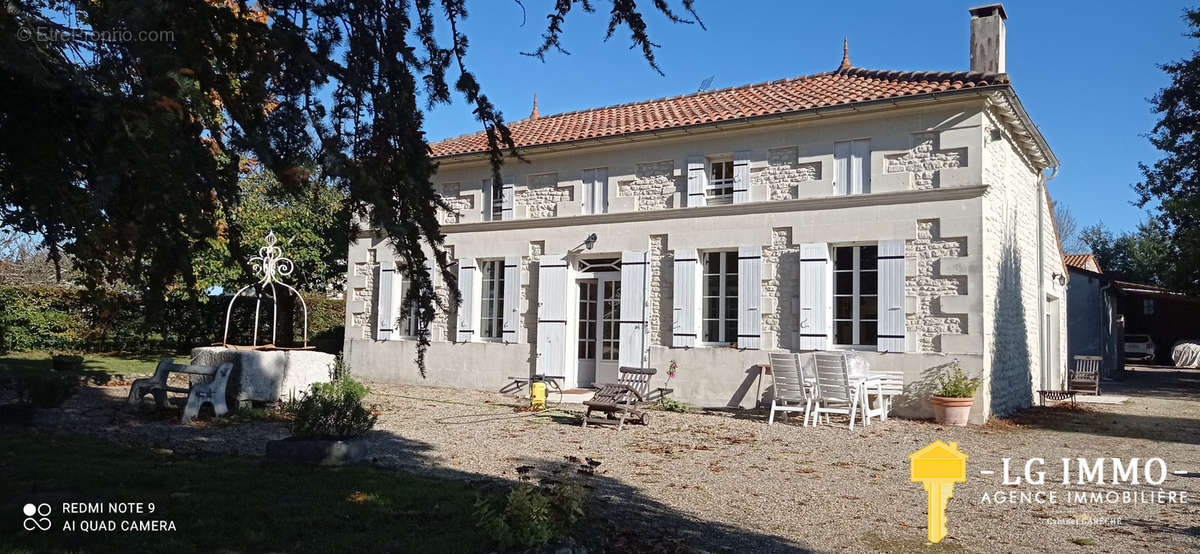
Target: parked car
[{"x": 1139, "y": 348}]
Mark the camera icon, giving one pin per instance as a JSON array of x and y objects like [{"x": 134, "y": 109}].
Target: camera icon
[{"x": 35, "y": 517}]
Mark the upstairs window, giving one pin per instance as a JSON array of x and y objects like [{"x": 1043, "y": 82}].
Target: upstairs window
[
  {"x": 719, "y": 290},
  {"x": 720, "y": 182},
  {"x": 492, "y": 304},
  {"x": 855, "y": 295},
  {"x": 493, "y": 201},
  {"x": 852, "y": 166},
  {"x": 1148, "y": 306}
]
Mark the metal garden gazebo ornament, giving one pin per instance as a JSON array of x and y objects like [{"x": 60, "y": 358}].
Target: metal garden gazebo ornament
[{"x": 270, "y": 265}]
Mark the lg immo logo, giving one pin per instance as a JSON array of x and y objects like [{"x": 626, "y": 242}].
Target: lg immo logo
[
  {"x": 938, "y": 466},
  {"x": 35, "y": 517}
]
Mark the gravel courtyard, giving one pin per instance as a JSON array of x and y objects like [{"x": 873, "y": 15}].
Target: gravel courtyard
[{"x": 726, "y": 481}]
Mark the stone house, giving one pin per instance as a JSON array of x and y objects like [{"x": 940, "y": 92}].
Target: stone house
[{"x": 903, "y": 215}]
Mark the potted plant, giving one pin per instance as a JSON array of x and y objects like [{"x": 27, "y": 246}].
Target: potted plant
[
  {"x": 954, "y": 396},
  {"x": 327, "y": 424}
]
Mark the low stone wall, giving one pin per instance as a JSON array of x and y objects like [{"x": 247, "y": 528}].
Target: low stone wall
[
  {"x": 472, "y": 365},
  {"x": 707, "y": 377},
  {"x": 267, "y": 375}
]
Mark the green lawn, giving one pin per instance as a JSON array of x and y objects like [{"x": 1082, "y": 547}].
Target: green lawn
[
  {"x": 127, "y": 364},
  {"x": 223, "y": 504}
]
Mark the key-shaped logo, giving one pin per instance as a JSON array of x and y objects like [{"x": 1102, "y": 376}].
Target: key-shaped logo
[{"x": 938, "y": 466}]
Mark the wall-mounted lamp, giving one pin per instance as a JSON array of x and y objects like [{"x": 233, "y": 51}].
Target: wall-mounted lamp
[
  {"x": 1062, "y": 279},
  {"x": 590, "y": 241}
]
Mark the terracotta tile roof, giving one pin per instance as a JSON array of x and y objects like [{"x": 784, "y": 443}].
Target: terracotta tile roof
[
  {"x": 1083, "y": 261},
  {"x": 845, "y": 86}
]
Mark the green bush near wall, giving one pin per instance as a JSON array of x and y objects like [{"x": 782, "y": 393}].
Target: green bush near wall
[{"x": 58, "y": 319}]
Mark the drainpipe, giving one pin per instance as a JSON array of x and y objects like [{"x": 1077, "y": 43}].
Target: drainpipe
[{"x": 1105, "y": 328}]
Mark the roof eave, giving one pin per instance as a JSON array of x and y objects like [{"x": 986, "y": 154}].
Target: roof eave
[
  {"x": 1035, "y": 134},
  {"x": 818, "y": 112}
]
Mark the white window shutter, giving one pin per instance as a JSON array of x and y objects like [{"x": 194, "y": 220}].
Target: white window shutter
[
  {"x": 385, "y": 308},
  {"x": 600, "y": 191},
  {"x": 400, "y": 286},
  {"x": 749, "y": 297},
  {"x": 860, "y": 167},
  {"x": 814, "y": 296},
  {"x": 469, "y": 291},
  {"x": 686, "y": 291},
  {"x": 507, "y": 211},
  {"x": 841, "y": 167},
  {"x": 634, "y": 273},
  {"x": 512, "y": 298},
  {"x": 697, "y": 178},
  {"x": 588, "y": 178},
  {"x": 487, "y": 199},
  {"x": 891, "y": 296},
  {"x": 741, "y": 176},
  {"x": 552, "y": 315}
]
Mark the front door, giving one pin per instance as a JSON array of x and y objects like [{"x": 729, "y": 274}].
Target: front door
[{"x": 598, "y": 342}]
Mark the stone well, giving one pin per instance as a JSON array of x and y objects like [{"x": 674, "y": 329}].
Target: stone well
[{"x": 266, "y": 375}]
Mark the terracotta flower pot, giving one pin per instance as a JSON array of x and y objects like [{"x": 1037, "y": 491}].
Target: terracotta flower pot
[{"x": 951, "y": 411}]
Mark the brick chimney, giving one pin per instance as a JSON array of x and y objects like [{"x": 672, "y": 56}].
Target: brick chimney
[{"x": 987, "y": 38}]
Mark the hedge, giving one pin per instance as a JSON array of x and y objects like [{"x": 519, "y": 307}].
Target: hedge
[{"x": 57, "y": 319}]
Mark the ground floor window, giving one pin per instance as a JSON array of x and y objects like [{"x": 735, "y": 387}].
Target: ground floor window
[
  {"x": 492, "y": 299},
  {"x": 855, "y": 295},
  {"x": 719, "y": 289}
]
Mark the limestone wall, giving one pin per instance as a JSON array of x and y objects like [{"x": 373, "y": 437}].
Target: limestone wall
[
  {"x": 652, "y": 186},
  {"x": 784, "y": 172},
  {"x": 1012, "y": 306},
  {"x": 542, "y": 195}
]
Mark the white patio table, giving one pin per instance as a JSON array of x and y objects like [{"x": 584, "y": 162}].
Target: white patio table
[{"x": 858, "y": 369}]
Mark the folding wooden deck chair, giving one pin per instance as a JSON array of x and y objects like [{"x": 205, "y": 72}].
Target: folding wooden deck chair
[{"x": 622, "y": 400}]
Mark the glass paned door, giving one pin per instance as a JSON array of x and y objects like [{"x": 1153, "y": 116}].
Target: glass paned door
[{"x": 598, "y": 343}]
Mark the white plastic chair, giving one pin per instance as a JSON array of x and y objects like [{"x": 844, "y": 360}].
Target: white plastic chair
[
  {"x": 836, "y": 393},
  {"x": 788, "y": 387}
]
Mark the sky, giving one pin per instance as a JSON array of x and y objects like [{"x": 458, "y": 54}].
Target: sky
[{"x": 1085, "y": 71}]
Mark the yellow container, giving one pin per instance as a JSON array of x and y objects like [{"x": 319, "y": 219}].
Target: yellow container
[{"x": 537, "y": 395}]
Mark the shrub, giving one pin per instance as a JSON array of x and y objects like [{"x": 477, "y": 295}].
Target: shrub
[
  {"x": 59, "y": 318},
  {"x": 532, "y": 514},
  {"x": 672, "y": 405},
  {"x": 956, "y": 384},
  {"x": 46, "y": 390},
  {"x": 333, "y": 409},
  {"x": 324, "y": 415},
  {"x": 66, "y": 362}
]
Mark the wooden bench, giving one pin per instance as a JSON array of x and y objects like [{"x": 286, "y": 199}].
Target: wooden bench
[
  {"x": 199, "y": 394},
  {"x": 1085, "y": 376}
]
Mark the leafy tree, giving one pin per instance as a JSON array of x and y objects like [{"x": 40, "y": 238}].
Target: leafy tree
[
  {"x": 126, "y": 154},
  {"x": 1144, "y": 256},
  {"x": 1174, "y": 181},
  {"x": 308, "y": 226}
]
